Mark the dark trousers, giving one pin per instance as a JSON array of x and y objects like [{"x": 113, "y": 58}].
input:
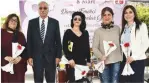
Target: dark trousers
[
  {"x": 138, "y": 67},
  {"x": 43, "y": 68}
]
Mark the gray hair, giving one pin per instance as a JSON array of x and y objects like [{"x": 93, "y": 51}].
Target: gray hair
[{"x": 43, "y": 2}]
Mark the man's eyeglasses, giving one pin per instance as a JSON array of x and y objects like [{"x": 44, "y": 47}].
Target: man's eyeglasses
[
  {"x": 75, "y": 19},
  {"x": 45, "y": 8}
]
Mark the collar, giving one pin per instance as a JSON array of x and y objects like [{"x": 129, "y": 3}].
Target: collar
[
  {"x": 131, "y": 26},
  {"x": 46, "y": 19}
]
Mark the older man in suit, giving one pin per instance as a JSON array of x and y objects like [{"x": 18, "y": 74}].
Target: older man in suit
[{"x": 44, "y": 45}]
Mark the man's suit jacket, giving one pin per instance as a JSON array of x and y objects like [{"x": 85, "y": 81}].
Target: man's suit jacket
[{"x": 51, "y": 48}]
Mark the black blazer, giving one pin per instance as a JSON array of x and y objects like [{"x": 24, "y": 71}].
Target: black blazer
[{"x": 51, "y": 48}]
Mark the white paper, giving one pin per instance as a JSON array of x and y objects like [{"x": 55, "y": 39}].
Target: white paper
[
  {"x": 78, "y": 68},
  {"x": 78, "y": 71},
  {"x": 15, "y": 52},
  {"x": 56, "y": 76},
  {"x": 101, "y": 65},
  {"x": 127, "y": 68},
  {"x": 64, "y": 60},
  {"x": 107, "y": 48}
]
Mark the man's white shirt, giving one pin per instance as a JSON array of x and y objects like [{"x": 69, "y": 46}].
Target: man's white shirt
[{"x": 46, "y": 24}]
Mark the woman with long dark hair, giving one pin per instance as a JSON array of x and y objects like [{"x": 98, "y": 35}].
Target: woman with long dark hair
[{"x": 135, "y": 33}]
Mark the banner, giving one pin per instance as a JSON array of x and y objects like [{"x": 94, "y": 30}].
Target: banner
[{"x": 63, "y": 9}]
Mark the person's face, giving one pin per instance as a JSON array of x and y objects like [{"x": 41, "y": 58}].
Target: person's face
[
  {"x": 43, "y": 10},
  {"x": 129, "y": 15},
  {"x": 107, "y": 17},
  {"x": 77, "y": 20},
  {"x": 13, "y": 23}
]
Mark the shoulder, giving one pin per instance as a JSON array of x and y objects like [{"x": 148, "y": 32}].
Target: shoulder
[
  {"x": 3, "y": 30},
  {"x": 53, "y": 19},
  {"x": 67, "y": 31},
  {"x": 117, "y": 27},
  {"x": 98, "y": 30},
  {"x": 34, "y": 19},
  {"x": 21, "y": 33},
  {"x": 143, "y": 26},
  {"x": 85, "y": 32}
]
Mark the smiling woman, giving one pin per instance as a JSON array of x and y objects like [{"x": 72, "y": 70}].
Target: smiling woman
[
  {"x": 11, "y": 34},
  {"x": 108, "y": 32},
  {"x": 135, "y": 32}
]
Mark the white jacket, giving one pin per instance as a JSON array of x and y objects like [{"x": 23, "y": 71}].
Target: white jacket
[{"x": 139, "y": 42}]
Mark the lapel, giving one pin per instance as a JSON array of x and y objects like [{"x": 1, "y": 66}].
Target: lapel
[
  {"x": 38, "y": 29},
  {"x": 133, "y": 37},
  {"x": 48, "y": 30}
]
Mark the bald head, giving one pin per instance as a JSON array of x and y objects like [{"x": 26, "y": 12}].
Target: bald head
[{"x": 43, "y": 9}]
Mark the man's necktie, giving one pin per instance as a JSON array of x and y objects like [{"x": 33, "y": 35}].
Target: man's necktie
[{"x": 42, "y": 30}]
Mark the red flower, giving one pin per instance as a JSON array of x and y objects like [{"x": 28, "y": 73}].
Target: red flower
[
  {"x": 126, "y": 44},
  {"x": 83, "y": 72},
  {"x": 19, "y": 47},
  {"x": 111, "y": 44}
]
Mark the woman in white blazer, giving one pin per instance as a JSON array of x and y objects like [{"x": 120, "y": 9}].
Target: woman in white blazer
[{"x": 134, "y": 32}]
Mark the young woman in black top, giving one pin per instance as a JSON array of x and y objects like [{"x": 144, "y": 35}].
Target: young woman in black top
[{"x": 76, "y": 45}]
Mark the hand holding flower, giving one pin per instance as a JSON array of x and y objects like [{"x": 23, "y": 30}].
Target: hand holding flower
[
  {"x": 17, "y": 49},
  {"x": 88, "y": 64},
  {"x": 127, "y": 68},
  {"x": 9, "y": 59},
  {"x": 103, "y": 58},
  {"x": 71, "y": 63},
  {"x": 129, "y": 59},
  {"x": 17, "y": 60},
  {"x": 30, "y": 61}
]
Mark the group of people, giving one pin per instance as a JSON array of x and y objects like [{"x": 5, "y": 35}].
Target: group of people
[
  {"x": 135, "y": 33},
  {"x": 44, "y": 50}
]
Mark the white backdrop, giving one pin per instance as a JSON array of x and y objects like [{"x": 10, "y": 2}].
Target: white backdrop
[{"x": 62, "y": 11}]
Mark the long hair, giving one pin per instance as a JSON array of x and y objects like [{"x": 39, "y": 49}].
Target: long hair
[
  {"x": 83, "y": 22},
  {"x": 9, "y": 17},
  {"x": 136, "y": 20}
]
